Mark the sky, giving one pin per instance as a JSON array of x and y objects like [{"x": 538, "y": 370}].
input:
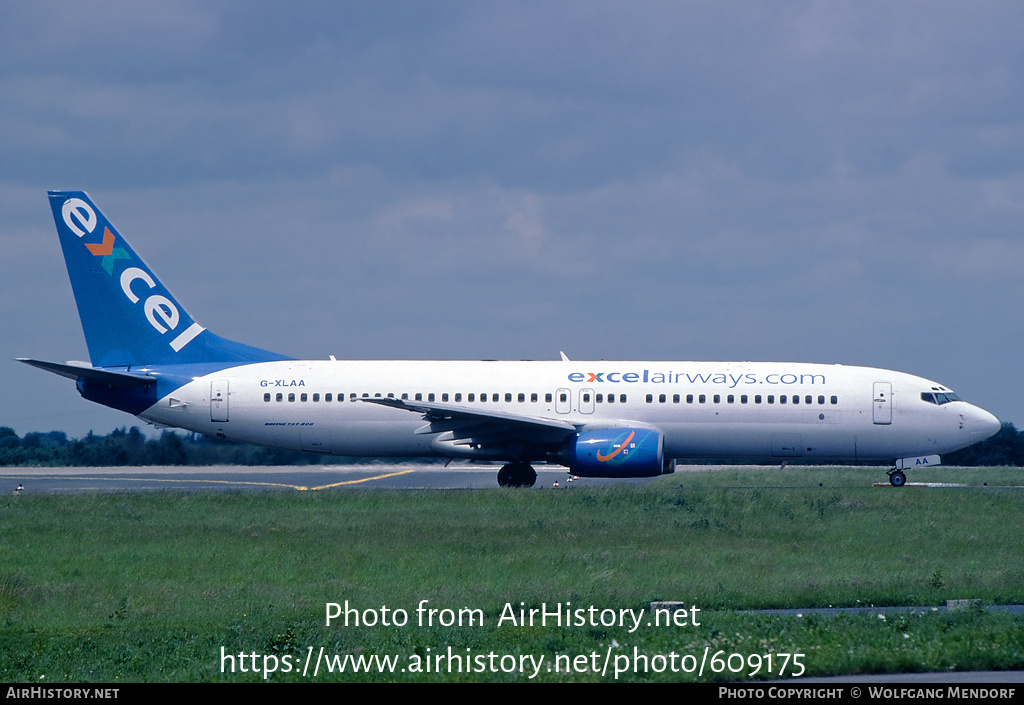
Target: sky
[{"x": 838, "y": 182}]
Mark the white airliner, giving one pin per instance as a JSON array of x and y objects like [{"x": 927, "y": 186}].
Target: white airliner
[{"x": 150, "y": 358}]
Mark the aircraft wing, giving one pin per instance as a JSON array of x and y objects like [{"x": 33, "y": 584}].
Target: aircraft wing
[
  {"x": 72, "y": 370},
  {"x": 478, "y": 424}
]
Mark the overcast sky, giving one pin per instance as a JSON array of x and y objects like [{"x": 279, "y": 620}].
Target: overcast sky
[{"x": 806, "y": 181}]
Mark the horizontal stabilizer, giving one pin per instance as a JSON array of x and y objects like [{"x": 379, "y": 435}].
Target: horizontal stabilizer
[{"x": 73, "y": 370}]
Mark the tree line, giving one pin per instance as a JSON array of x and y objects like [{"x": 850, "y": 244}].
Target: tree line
[{"x": 131, "y": 447}]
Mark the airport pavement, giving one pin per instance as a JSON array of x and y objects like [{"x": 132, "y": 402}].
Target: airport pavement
[{"x": 281, "y": 478}]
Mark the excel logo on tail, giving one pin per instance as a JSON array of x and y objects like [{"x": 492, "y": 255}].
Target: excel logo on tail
[
  {"x": 135, "y": 283},
  {"x": 81, "y": 218}
]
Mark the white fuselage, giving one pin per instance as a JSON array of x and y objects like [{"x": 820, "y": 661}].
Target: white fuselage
[{"x": 703, "y": 409}]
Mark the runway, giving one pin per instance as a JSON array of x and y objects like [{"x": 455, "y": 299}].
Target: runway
[
  {"x": 279, "y": 478},
  {"x": 392, "y": 475}
]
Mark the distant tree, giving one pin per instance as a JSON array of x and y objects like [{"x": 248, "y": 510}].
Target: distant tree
[
  {"x": 8, "y": 438},
  {"x": 168, "y": 450},
  {"x": 32, "y": 441}
]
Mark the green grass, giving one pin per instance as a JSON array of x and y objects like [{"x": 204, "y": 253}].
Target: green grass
[{"x": 150, "y": 586}]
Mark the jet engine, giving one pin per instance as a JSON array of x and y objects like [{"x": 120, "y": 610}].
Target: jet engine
[{"x": 617, "y": 452}]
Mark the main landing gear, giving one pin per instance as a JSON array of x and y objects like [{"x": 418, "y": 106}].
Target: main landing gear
[
  {"x": 897, "y": 478},
  {"x": 517, "y": 475}
]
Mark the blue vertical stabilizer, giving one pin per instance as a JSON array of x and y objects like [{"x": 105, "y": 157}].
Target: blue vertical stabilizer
[{"x": 128, "y": 316}]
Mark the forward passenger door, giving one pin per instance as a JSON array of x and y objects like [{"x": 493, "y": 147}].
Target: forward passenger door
[{"x": 882, "y": 403}]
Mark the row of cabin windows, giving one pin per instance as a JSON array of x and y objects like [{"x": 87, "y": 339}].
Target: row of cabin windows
[
  {"x": 743, "y": 399},
  {"x": 472, "y": 397},
  {"x": 599, "y": 398},
  {"x": 563, "y": 397}
]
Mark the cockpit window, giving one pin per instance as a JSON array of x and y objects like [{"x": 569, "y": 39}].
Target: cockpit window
[{"x": 939, "y": 398}]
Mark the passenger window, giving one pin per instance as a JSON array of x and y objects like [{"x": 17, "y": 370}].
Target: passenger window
[
  {"x": 303, "y": 397},
  {"x": 495, "y": 397},
  {"x": 586, "y": 398},
  {"x": 650, "y": 398},
  {"x": 834, "y": 400},
  {"x": 808, "y": 399},
  {"x": 661, "y": 398},
  {"x": 330, "y": 397},
  {"x": 675, "y": 398},
  {"x": 611, "y": 398},
  {"x": 622, "y": 398},
  {"x": 757, "y": 398},
  {"x": 508, "y": 397},
  {"x": 689, "y": 398},
  {"x": 521, "y": 397},
  {"x": 266, "y": 397},
  {"x": 316, "y": 397},
  {"x": 821, "y": 399},
  {"x": 563, "y": 397},
  {"x": 743, "y": 399},
  {"x": 458, "y": 396},
  {"x": 730, "y": 399},
  {"x": 471, "y": 397},
  {"x": 599, "y": 398},
  {"x": 291, "y": 396},
  {"x": 548, "y": 397},
  {"x": 718, "y": 399},
  {"x": 702, "y": 399},
  {"x": 430, "y": 397},
  {"x": 782, "y": 398},
  {"x": 280, "y": 397},
  {"x": 771, "y": 398},
  {"x": 444, "y": 397},
  {"x": 533, "y": 397}
]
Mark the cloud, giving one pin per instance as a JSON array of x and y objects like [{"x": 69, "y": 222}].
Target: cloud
[{"x": 819, "y": 180}]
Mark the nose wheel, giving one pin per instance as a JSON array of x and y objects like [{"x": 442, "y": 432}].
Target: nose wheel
[{"x": 897, "y": 478}]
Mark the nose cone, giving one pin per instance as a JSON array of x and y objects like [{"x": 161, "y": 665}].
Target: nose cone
[{"x": 982, "y": 424}]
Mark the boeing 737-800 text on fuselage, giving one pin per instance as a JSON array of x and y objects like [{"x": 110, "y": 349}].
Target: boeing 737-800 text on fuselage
[{"x": 150, "y": 358}]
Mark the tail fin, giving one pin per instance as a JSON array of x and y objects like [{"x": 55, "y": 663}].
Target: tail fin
[{"x": 128, "y": 316}]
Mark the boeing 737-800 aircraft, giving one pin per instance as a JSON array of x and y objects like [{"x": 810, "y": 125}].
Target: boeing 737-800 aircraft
[{"x": 150, "y": 358}]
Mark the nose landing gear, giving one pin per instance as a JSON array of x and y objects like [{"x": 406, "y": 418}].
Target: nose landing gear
[{"x": 897, "y": 478}]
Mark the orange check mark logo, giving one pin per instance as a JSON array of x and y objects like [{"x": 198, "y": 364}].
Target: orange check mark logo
[
  {"x": 622, "y": 446},
  {"x": 108, "y": 254},
  {"x": 102, "y": 249}
]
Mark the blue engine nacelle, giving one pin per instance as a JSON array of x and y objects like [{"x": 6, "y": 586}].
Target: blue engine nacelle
[{"x": 617, "y": 452}]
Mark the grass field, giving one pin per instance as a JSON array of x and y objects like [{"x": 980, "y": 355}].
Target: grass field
[{"x": 179, "y": 586}]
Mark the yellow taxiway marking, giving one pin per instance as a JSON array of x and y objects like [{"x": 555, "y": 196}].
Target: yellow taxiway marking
[
  {"x": 365, "y": 479},
  {"x": 215, "y": 482}
]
